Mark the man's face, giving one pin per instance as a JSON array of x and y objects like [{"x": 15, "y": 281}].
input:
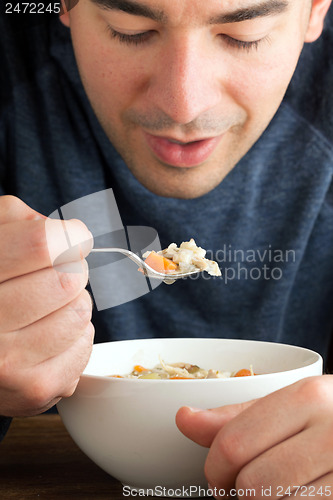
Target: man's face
[{"x": 183, "y": 89}]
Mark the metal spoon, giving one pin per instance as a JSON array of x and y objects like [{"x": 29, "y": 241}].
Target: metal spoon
[{"x": 147, "y": 270}]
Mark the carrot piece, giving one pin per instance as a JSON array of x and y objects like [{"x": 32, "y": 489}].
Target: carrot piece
[
  {"x": 140, "y": 369},
  {"x": 243, "y": 373},
  {"x": 180, "y": 378},
  {"x": 159, "y": 263}
]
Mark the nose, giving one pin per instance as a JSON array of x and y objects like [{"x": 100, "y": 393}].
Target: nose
[{"x": 184, "y": 83}]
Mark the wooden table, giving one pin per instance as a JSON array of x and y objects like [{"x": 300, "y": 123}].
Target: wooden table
[{"x": 39, "y": 460}]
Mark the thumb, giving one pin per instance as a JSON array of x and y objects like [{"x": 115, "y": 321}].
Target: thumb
[{"x": 201, "y": 426}]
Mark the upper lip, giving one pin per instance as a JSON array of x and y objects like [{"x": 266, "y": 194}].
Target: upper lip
[{"x": 182, "y": 140}]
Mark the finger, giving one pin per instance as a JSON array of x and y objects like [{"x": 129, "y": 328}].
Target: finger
[
  {"x": 201, "y": 426},
  {"x": 19, "y": 408},
  {"x": 35, "y": 390},
  {"x": 61, "y": 373},
  {"x": 74, "y": 242},
  {"x": 29, "y": 298},
  {"x": 260, "y": 427},
  {"x": 27, "y": 246},
  {"x": 299, "y": 460},
  {"x": 13, "y": 209},
  {"x": 48, "y": 337}
]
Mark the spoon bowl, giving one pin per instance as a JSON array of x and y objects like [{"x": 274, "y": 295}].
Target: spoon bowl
[{"x": 167, "y": 278}]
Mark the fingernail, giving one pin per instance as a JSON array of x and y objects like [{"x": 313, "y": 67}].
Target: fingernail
[{"x": 195, "y": 410}]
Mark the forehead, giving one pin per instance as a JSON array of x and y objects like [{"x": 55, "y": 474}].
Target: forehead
[{"x": 197, "y": 11}]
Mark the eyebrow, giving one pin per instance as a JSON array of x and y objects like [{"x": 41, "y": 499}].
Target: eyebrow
[
  {"x": 259, "y": 9},
  {"x": 267, "y": 8},
  {"x": 133, "y": 8}
]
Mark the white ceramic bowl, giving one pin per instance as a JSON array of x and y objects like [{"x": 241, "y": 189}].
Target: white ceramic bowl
[{"x": 127, "y": 426}]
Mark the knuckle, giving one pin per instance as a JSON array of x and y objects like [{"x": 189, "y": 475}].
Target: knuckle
[
  {"x": 13, "y": 208},
  {"x": 8, "y": 373},
  {"x": 8, "y": 203},
  {"x": 72, "y": 278},
  {"x": 74, "y": 371},
  {"x": 69, "y": 391},
  {"x": 316, "y": 390},
  {"x": 86, "y": 347},
  {"x": 231, "y": 446},
  {"x": 33, "y": 391},
  {"x": 82, "y": 308},
  {"x": 209, "y": 474},
  {"x": 10, "y": 360},
  {"x": 248, "y": 480},
  {"x": 90, "y": 333},
  {"x": 38, "y": 392},
  {"x": 36, "y": 243},
  {"x": 208, "y": 477},
  {"x": 80, "y": 353}
]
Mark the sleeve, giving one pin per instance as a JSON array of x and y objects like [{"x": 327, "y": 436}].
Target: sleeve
[
  {"x": 3, "y": 172},
  {"x": 7, "y": 78},
  {"x": 4, "y": 426},
  {"x": 3, "y": 91},
  {"x": 4, "y": 100},
  {"x": 4, "y": 421}
]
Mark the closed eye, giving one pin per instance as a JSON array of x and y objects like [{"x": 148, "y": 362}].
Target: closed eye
[
  {"x": 135, "y": 39},
  {"x": 145, "y": 36},
  {"x": 241, "y": 44}
]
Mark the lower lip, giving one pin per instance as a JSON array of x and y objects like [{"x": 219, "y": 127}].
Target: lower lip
[{"x": 179, "y": 155}]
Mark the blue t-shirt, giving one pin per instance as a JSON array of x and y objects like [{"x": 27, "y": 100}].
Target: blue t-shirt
[{"x": 269, "y": 224}]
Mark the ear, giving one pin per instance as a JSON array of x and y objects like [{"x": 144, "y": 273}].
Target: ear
[
  {"x": 64, "y": 15},
  {"x": 316, "y": 23},
  {"x": 64, "y": 18}
]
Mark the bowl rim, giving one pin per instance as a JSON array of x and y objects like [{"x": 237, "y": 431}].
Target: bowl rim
[{"x": 317, "y": 359}]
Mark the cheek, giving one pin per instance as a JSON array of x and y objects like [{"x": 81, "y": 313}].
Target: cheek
[
  {"x": 259, "y": 87},
  {"x": 259, "y": 83},
  {"x": 110, "y": 81},
  {"x": 101, "y": 74}
]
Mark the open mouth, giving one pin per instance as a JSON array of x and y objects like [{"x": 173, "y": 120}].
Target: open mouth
[{"x": 181, "y": 154}]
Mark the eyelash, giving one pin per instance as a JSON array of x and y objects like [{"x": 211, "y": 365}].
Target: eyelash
[
  {"x": 136, "y": 39},
  {"x": 240, "y": 44},
  {"x": 141, "y": 38}
]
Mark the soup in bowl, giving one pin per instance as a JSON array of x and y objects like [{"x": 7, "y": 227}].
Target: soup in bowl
[{"x": 126, "y": 425}]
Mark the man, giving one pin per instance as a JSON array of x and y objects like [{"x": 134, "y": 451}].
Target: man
[{"x": 191, "y": 96}]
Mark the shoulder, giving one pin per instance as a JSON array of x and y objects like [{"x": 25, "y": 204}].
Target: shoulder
[
  {"x": 310, "y": 93},
  {"x": 23, "y": 48}
]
